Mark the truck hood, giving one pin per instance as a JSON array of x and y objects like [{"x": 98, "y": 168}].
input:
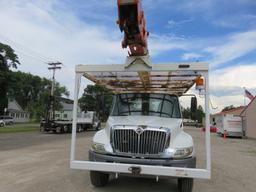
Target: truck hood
[{"x": 151, "y": 121}]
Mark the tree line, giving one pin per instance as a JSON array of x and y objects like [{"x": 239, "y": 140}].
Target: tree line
[
  {"x": 96, "y": 98},
  {"x": 199, "y": 115},
  {"x": 33, "y": 92},
  {"x": 30, "y": 91}
]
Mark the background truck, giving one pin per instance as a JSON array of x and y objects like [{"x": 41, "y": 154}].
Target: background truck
[
  {"x": 60, "y": 121},
  {"x": 85, "y": 121},
  {"x": 230, "y": 124}
]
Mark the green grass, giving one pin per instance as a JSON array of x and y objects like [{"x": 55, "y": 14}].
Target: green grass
[
  {"x": 250, "y": 152},
  {"x": 17, "y": 128}
]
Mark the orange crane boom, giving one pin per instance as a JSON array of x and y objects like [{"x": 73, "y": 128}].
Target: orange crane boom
[{"x": 132, "y": 22}]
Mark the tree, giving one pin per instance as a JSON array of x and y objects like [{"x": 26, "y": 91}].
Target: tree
[
  {"x": 186, "y": 113},
  {"x": 96, "y": 98},
  {"x": 8, "y": 59},
  {"x": 11, "y": 60},
  {"x": 33, "y": 92},
  {"x": 200, "y": 114}
]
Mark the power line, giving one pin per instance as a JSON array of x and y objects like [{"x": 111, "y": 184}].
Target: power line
[
  {"x": 25, "y": 47},
  {"x": 33, "y": 57},
  {"x": 19, "y": 46}
]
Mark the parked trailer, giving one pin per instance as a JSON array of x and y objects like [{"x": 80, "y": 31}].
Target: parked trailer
[{"x": 230, "y": 124}]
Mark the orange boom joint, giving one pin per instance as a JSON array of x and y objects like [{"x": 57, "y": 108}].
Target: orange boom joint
[{"x": 132, "y": 22}]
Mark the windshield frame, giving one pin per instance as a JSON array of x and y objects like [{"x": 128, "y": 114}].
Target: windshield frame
[{"x": 163, "y": 99}]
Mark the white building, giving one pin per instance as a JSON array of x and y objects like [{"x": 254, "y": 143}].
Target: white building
[
  {"x": 15, "y": 110},
  {"x": 66, "y": 112},
  {"x": 249, "y": 121}
]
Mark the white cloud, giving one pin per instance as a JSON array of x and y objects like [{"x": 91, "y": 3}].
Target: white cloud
[
  {"x": 38, "y": 27},
  {"x": 32, "y": 25},
  {"x": 59, "y": 34},
  {"x": 159, "y": 44},
  {"x": 235, "y": 46},
  {"x": 174, "y": 24},
  {"x": 219, "y": 50},
  {"x": 191, "y": 56},
  {"x": 226, "y": 87},
  {"x": 236, "y": 21},
  {"x": 237, "y": 76}
]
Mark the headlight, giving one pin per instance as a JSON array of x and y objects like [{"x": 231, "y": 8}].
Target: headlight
[
  {"x": 99, "y": 148},
  {"x": 184, "y": 152}
]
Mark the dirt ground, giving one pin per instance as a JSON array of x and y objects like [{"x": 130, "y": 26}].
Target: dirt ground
[{"x": 40, "y": 162}]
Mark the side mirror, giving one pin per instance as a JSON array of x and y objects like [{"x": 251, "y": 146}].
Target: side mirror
[{"x": 193, "y": 108}]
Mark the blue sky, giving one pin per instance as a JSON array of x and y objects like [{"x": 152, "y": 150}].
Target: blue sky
[
  {"x": 222, "y": 33},
  {"x": 206, "y": 22}
]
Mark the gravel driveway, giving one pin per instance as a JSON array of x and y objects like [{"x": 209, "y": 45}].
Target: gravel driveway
[{"x": 38, "y": 162}]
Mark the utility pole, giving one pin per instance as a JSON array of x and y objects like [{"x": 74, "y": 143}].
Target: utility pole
[
  {"x": 53, "y": 66},
  {"x": 3, "y": 82}
]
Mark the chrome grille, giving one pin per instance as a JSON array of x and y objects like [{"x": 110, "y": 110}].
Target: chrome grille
[{"x": 130, "y": 142}]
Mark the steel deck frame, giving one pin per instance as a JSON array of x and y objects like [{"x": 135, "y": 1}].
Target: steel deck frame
[{"x": 93, "y": 73}]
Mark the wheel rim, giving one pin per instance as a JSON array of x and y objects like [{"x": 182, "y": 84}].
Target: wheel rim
[
  {"x": 58, "y": 129},
  {"x": 65, "y": 129}
]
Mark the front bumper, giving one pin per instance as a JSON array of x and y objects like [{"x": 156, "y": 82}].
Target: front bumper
[{"x": 187, "y": 163}]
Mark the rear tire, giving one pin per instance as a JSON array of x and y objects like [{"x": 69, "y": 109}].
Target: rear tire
[
  {"x": 185, "y": 184},
  {"x": 42, "y": 129},
  {"x": 65, "y": 129},
  {"x": 98, "y": 126},
  {"x": 99, "y": 179},
  {"x": 59, "y": 130},
  {"x": 79, "y": 128}
]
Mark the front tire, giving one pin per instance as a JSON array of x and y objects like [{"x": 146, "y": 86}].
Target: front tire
[
  {"x": 65, "y": 129},
  {"x": 185, "y": 184},
  {"x": 59, "y": 130},
  {"x": 98, "y": 126},
  {"x": 99, "y": 179}
]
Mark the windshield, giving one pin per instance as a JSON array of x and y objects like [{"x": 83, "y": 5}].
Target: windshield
[{"x": 161, "y": 105}]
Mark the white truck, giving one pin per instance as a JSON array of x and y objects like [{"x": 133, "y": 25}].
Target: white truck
[
  {"x": 230, "y": 124},
  {"x": 85, "y": 120},
  {"x": 144, "y": 134},
  {"x": 90, "y": 120}
]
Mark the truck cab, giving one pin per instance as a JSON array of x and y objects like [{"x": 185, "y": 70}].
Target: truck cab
[{"x": 143, "y": 128}]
